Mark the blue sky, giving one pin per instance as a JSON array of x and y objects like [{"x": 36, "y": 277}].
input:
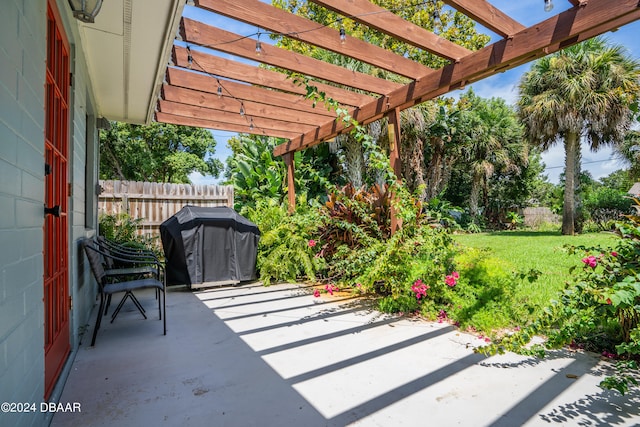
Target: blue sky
[{"x": 504, "y": 85}]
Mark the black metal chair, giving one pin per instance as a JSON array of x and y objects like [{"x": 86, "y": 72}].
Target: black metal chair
[
  {"x": 141, "y": 263},
  {"x": 109, "y": 285}
]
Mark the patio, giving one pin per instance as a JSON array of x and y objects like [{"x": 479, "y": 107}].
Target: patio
[{"x": 276, "y": 356}]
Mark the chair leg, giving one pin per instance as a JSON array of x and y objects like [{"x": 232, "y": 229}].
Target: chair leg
[
  {"x": 137, "y": 302},
  {"x": 106, "y": 307},
  {"x": 164, "y": 307},
  {"x": 127, "y": 294},
  {"x": 98, "y": 319}
]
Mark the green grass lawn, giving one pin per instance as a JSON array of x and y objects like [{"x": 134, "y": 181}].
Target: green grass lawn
[{"x": 542, "y": 251}]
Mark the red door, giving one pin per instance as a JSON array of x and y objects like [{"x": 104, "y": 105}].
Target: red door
[{"x": 55, "y": 253}]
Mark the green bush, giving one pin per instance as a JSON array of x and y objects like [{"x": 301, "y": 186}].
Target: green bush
[
  {"x": 287, "y": 250},
  {"x": 606, "y": 206},
  {"x": 123, "y": 229}
]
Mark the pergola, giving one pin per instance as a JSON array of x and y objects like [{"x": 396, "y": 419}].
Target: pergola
[{"x": 274, "y": 105}]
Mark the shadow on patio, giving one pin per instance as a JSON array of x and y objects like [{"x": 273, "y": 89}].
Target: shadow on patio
[{"x": 277, "y": 356}]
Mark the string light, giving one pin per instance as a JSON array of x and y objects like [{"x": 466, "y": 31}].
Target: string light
[
  {"x": 343, "y": 34},
  {"x": 343, "y": 39},
  {"x": 258, "y": 45},
  {"x": 189, "y": 57},
  {"x": 219, "y": 91},
  {"x": 548, "y": 5}
]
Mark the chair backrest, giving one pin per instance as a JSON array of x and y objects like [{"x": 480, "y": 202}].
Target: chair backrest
[
  {"x": 102, "y": 244},
  {"x": 95, "y": 261}
]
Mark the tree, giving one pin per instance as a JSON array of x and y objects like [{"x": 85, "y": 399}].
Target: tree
[
  {"x": 257, "y": 175},
  {"x": 156, "y": 153},
  {"x": 629, "y": 152},
  {"x": 584, "y": 91},
  {"x": 529, "y": 187},
  {"x": 491, "y": 140},
  {"x": 620, "y": 180},
  {"x": 448, "y": 23}
]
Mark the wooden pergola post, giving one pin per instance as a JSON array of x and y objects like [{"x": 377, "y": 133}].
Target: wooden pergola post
[
  {"x": 393, "y": 128},
  {"x": 291, "y": 186}
]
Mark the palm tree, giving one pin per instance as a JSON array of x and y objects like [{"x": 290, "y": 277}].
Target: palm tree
[
  {"x": 582, "y": 92},
  {"x": 628, "y": 151},
  {"x": 492, "y": 142}
]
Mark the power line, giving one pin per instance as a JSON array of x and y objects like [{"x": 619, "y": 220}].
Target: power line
[{"x": 583, "y": 163}]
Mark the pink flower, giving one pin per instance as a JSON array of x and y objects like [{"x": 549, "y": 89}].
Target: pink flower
[
  {"x": 312, "y": 243},
  {"x": 359, "y": 285},
  {"x": 614, "y": 254},
  {"x": 330, "y": 288},
  {"x": 442, "y": 316},
  {"x": 419, "y": 288},
  {"x": 591, "y": 261},
  {"x": 316, "y": 293},
  {"x": 452, "y": 279}
]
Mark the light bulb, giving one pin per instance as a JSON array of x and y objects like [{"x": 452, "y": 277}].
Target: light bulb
[
  {"x": 548, "y": 5},
  {"x": 189, "y": 57}
]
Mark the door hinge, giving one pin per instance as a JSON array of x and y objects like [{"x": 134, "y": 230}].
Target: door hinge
[
  {"x": 69, "y": 190},
  {"x": 71, "y": 79},
  {"x": 70, "y": 302}
]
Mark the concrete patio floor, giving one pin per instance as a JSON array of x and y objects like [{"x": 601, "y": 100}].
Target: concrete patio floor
[{"x": 276, "y": 356}]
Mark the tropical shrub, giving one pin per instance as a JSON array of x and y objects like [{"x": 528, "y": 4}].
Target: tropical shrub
[
  {"x": 287, "y": 250},
  {"x": 123, "y": 229}
]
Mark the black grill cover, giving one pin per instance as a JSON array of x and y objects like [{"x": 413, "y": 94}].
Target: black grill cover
[{"x": 209, "y": 244}]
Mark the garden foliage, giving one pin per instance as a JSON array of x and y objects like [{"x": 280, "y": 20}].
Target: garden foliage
[
  {"x": 598, "y": 310},
  {"x": 123, "y": 229}
]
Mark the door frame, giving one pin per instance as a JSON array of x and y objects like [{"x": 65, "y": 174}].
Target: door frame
[{"x": 56, "y": 289}]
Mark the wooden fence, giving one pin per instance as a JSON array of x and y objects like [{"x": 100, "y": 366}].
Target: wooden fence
[
  {"x": 534, "y": 217},
  {"x": 154, "y": 202}
]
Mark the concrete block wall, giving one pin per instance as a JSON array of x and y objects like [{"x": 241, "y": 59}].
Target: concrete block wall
[
  {"x": 22, "y": 76},
  {"x": 84, "y": 143}
]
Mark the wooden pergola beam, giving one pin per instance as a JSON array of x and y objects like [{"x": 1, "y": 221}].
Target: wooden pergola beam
[
  {"x": 263, "y": 123},
  {"x": 557, "y": 32},
  {"x": 279, "y": 21},
  {"x": 215, "y": 38},
  {"x": 212, "y": 124},
  {"x": 207, "y": 84},
  {"x": 260, "y": 76},
  {"x": 229, "y": 105},
  {"x": 488, "y": 15},
  {"x": 385, "y": 21}
]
